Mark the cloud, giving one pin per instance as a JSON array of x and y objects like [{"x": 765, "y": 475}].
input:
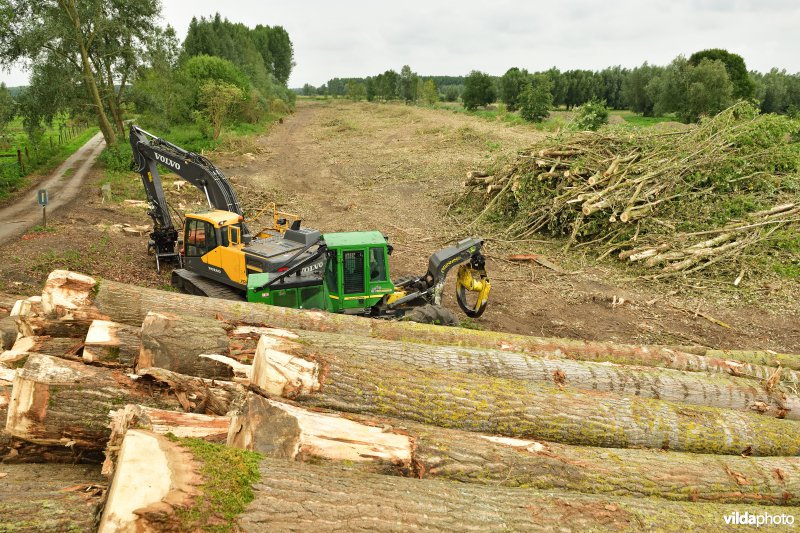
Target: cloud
[{"x": 360, "y": 38}]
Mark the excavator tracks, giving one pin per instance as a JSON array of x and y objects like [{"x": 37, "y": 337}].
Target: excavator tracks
[{"x": 191, "y": 283}]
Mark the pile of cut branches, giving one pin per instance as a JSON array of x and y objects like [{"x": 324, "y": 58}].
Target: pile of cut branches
[{"x": 679, "y": 201}]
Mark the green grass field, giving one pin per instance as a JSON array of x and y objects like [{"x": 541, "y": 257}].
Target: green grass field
[{"x": 40, "y": 159}]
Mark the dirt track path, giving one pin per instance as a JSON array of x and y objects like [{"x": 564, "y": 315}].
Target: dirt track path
[{"x": 62, "y": 188}]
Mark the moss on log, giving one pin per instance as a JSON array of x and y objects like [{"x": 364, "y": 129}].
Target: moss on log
[
  {"x": 47, "y": 497},
  {"x": 129, "y": 304},
  {"x": 292, "y": 497},
  {"x": 377, "y": 385}
]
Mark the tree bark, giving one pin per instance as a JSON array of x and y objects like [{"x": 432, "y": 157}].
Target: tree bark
[
  {"x": 57, "y": 347},
  {"x": 376, "y": 385},
  {"x": 208, "y": 427},
  {"x": 8, "y": 333},
  {"x": 55, "y": 402},
  {"x": 696, "y": 388},
  {"x": 175, "y": 342},
  {"x": 31, "y": 321},
  {"x": 129, "y": 304},
  {"x": 50, "y": 497},
  {"x": 280, "y": 430},
  {"x": 110, "y": 343},
  {"x": 88, "y": 75},
  {"x": 291, "y": 497}
]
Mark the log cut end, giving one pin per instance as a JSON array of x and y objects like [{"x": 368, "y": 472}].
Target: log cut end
[
  {"x": 65, "y": 292},
  {"x": 153, "y": 476},
  {"x": 281, "y": 373},
  {"x": 111, "y": 343},
  {"x": 281, "y": 430}
]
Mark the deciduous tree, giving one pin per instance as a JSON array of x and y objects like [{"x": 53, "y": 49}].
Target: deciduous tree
[{"x": 478, "y": 90}]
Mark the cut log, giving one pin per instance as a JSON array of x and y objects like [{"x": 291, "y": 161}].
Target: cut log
[
  {"x": 8, "y": 333},
  {"x": 66, "y": 348},
  {"x": 199, "y": 395},
  {"x": 55, "y": 402},
  {"x": 129, "y": 304},
  {"x": 291, "y": 497},
  {"x": 50, "y": 497},
  {"x": 376, "y": 385},
  {"x": 153, "y": 476},
  {"x": 280, "y": 430},
  {"x": 697, "y": 388},
  {"x": 111, "y": 344},
  {"x": 161, "y": 422},
  {"x": 757, "y": 357},
  {"x": 175, "y": 342},
  {"x": 32, "y": 321}
]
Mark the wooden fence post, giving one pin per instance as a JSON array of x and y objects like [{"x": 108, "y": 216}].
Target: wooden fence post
[{"x": 19, "y": 160}]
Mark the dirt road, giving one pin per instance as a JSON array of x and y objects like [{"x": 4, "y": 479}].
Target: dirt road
[{"x": 62, "y": 186}]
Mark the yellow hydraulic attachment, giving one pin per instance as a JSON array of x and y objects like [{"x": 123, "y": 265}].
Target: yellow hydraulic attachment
[{"x": 473, "y": 280}]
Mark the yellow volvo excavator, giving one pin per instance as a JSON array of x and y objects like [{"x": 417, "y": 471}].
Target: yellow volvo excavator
[{"x": 286, "y": 264}]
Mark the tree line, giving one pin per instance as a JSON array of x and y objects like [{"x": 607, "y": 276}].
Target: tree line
[
  {"x": 100, "y": 61},
  {"x": 704, "y": 83}
]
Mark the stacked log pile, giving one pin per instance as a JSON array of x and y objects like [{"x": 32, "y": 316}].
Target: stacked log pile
[{"x": 388, "y": 425}]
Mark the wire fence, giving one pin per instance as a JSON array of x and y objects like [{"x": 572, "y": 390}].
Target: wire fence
[{"x": 19, "y": 161}]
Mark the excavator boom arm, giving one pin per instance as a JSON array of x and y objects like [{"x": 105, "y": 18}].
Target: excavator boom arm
[{"x": 149, "y": 151}]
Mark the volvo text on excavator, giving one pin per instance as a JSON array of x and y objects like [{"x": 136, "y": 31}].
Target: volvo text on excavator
[{"x": 288, "y": 265}]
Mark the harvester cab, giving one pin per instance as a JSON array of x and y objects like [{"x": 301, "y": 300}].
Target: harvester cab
[{"x": 355, "y": 280}]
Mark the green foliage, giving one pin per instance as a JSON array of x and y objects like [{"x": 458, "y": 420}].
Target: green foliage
[
  {"x": 743, "y": 86},
  {"x": 430, "y": 94},
  {"x": 218, "y": 100},
  {"x": 512, "y": 84},
  {"x": 118, "y": 157},
  {"x": 356, "y": 91},
  {"x": 536, "y": 99},
  {"x": 200, "y": 69},
  {"x": 451, "y": 94},
  {"x": 637, "y": 91},
  {"x": 408, "y": 84},
  {"x": 591, "y": 116},
  {"x": 691, "y": 91},
  {"x": 228, "y": 475},
  {"x": 8, "y": 108},
  {"x": 479, "y": 90}
]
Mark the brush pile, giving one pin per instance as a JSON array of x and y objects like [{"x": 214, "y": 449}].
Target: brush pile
[{"x": 678, "y": 201}]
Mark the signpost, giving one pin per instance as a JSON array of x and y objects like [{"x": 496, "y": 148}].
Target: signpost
[{"x": 41, "y": 199}]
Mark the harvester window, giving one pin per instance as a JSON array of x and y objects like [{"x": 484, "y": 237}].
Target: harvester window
[
  {"x": 377, "y": 264},
  {"x": 200, "y": 238},
  {"x": 331, "y": 274},
  {"x": 353, "y": 272}
]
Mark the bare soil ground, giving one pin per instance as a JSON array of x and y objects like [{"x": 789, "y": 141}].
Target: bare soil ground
[{"x": 396, "y": 168}]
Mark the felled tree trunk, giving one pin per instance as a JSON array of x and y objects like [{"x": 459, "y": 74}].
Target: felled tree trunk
[
  {"x": 291, "y": 497},
  {"x": 55, "y": 402},
  {"x": 160, "y": 421},
  {"x": 175, "y": 342},
  {"x": 129, "y": 305},
  {"x": 32, "y": 321},
  {"x": 66, "y": 348},
  {"x": 280, "y": 430},
  {"x": 49, "y": 497},
  {"x": 111, "y": 344},
  {"x": 453, "y": 399},
  {"x": 152, "y": 477},
  {"x": 697, "y": 388}
]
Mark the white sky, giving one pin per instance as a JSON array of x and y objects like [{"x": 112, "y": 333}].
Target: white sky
[{"x": 359, "y": 38}]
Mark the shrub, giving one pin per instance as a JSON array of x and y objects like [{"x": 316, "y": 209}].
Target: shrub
[{"x": 591, "y": 116}]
